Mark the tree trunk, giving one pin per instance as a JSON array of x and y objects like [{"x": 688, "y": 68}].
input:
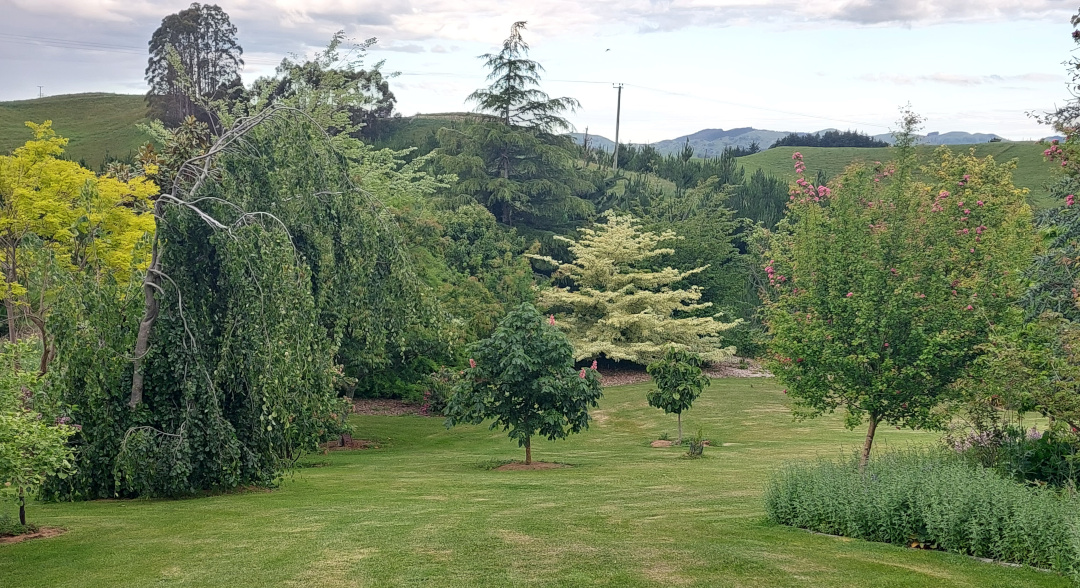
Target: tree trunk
[
  {"x": 22, "y": 506},
  {"x": 865, "y": 459},
  {"x": 46, "y": 349},
  {"x": 679, "y": 414},
  {"x": 9, "y": 305},
  {"x": 151, "y": 283},
  {"x": 528, "y": 451}
]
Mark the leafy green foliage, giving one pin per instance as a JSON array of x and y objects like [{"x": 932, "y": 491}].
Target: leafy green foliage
[
  {"x": 194, "y": 59},
  {"x": 620, "y": 309},
  {"x": 881, "y": 292},
  {"x": 930, "y": 500},
  {"x": 832, "y": 138},
  {"x": 32, "y": 448},
  {"x": 679, "y": 381},
  {"x": 523, "y": 378}
]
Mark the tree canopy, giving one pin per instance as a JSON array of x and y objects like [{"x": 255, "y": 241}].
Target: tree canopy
[
  {"x": 523, "y": 378},
  {"x": 194, "y": 59},
  {"x": 883, "y": 287},
  {"x": 616, "y": 308}
]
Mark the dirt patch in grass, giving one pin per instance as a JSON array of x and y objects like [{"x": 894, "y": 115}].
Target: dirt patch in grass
[
  {"x": 385, "y": 407},
  {"x": 732, "y": 368},
  {"x": 536, "y": 465},
  {"x": 42, "y": 533},
  {"x": 347, "y": 443},
  {"x": 737, "y": 368},
  {"x": 661, "y": 443}
]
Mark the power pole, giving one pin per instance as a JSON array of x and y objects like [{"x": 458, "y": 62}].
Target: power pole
[
  {"x": 618, "y": 114},
  {"x": 39, "y": 93}
]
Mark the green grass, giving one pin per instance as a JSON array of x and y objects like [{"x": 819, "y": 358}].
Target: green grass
[
  {"x": 96, "y": 124},
  {"x": 426, "y": 510},
  {"x": 1032, "y": 172}
]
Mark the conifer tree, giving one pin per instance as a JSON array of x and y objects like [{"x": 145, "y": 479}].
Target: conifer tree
[{"x": 619, "y": 309}]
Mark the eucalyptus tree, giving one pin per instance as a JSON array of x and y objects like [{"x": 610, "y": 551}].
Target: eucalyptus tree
[{"x": 194, "y": 59}]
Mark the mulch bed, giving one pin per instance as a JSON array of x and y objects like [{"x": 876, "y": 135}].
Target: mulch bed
[
  {"x": 43, "y": 533},
  {"x": 385, "y": 407},
  {"x": 618, "y": 376}
]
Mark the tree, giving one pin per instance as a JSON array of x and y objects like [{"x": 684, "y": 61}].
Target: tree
[
  {"x": 883, "y": 287},
  {"x": 514, "y": 96},
  {"x": 32, "y": 448},
  {"x": 57, "y": 216},
  {"x": 523, "y": 378},
  {"x": 511, "y": 160},
  {"x": 194, "y": 60},
  {"x": 621, "y": 311},
  {"x": 679, "y": 381}
]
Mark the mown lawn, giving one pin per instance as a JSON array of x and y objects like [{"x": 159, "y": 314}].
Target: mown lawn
[{"x": 422, "y": 511}]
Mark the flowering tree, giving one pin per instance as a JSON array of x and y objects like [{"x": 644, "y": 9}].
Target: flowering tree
[
  {"x": 523, "y": 378},
  {"x": 882, "y": 287}
]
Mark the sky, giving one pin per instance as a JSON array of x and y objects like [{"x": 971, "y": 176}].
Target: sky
[{"x": 685, "y": 65}]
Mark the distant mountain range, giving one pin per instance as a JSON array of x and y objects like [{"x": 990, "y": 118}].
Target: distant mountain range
[{"x": 711, "y": 142}]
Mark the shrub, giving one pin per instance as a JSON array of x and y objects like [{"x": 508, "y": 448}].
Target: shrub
[
  {"x": 1027, "y": 456},
  {"x": 931, "y": 499}
]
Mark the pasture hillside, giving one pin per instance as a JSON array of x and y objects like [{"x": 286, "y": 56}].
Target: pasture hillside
[
  {"x": 1032, "y": 171},
  {"x": 98, "y": 125}
]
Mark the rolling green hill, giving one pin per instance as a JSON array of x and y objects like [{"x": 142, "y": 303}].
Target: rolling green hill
[
  {"x": 1032, "y": 172},
  {"x": 96, "y": 124}
]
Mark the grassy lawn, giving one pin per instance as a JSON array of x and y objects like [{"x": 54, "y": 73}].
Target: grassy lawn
[
  {"x": 421, "y": 511},
  {"x": 1032, "y": 171}
]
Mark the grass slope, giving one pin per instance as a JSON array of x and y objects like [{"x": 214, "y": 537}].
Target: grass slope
[
  {"x": 1032, "y": 172},
  {"x": 419, "y": 511},
  {"x": 95, "y": 124}
]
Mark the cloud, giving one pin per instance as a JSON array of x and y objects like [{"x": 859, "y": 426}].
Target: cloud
[
  {"x": 937, "y": 11},
  {"x": 269, "y": 21},
  {"x": 962, "y": 79}
]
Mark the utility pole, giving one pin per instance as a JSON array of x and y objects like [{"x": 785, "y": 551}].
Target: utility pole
[
  {"x": 618, "y": 114},
  {"x": 39, "y": 92}
]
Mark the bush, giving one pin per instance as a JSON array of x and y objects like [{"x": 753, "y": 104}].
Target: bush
[
  {"x": 1028, "y": 456},
  {"x": 931, "y": 499}
]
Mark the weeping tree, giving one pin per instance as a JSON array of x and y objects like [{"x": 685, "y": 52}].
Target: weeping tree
[{"x": 266, "y": 257}]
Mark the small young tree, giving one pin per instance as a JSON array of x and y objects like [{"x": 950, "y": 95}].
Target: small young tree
[
  {"x": 31, "y": 447},
  {"x": 621, "y": 310},
  {"x": 679, "y": 381},
  {"x": 523, "y": 377},
  {"x": 883, "y": 288}
]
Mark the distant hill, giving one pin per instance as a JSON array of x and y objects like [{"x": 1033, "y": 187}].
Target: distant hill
[
  {"x": 711, "y": 142},
  {"x": 1032, "y": 171},
  {"x": 96, "y": 124}
]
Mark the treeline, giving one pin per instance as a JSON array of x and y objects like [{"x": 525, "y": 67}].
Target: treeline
[{"x": 829, "y": 139}]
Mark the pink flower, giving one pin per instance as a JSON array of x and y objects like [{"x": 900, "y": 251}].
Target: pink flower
[
  {"x": 796, "y": 156},
  {"x": 943, "y": 194},
  {"x": 551, "y": 320},
  {"x": 594, "y": 365},
  {"x": 582, "y": 374},
  {"x": 850, "y": 294},
  {"x": 967, "y": 211},
  {"x": 472, "y": 362},
  {"x": 1069, "y": 200},
  {"x": 886, "y": 344},
  {"x": 970, "y": 307},
  {"x": 979, "y": 202},
  {"x": 966, "y": 177}
]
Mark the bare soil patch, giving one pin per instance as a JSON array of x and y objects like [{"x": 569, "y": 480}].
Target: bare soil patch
[
  {"x": 42, "y": 533},
  {"x": 660, "y": 443},
  {"x": 347, "y": 443},
  {"x": 730, "y": 368},
  {"x": 536, "y": 465},
  {"x": 385, "y": 407}
]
